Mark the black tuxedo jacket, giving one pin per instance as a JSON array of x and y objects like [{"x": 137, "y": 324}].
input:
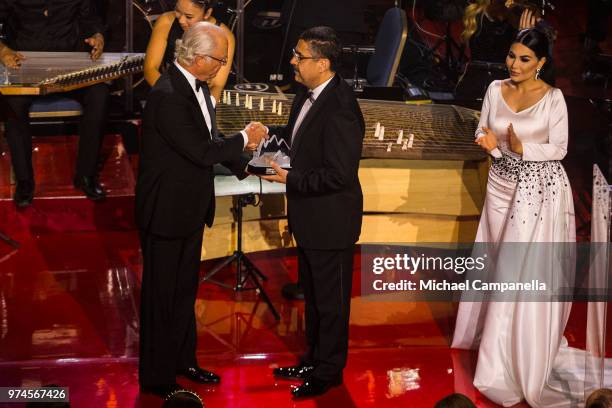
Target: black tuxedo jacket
[
  {"x": 324, "y": 199},
  {"x": 175, "y": 190}
]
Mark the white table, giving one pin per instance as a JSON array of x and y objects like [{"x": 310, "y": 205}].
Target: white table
[{"x": 230, "y": 186}]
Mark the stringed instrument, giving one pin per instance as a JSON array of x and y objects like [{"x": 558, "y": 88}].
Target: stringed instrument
[
  {"x": 43, "y": 73},
  {"x": 394, "y": 130},
  {"x": 538, "y": 6}
]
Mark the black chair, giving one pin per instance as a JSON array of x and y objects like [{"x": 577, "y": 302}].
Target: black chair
[{"x": 389, "y": 45}]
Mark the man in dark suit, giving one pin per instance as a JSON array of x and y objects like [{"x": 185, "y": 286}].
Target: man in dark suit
[
  {"x": 324, "y": 204},
  {"x": 175, "y": 198}
]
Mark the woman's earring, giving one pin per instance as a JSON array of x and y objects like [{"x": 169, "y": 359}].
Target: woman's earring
[{"x": 537, "y": 75}]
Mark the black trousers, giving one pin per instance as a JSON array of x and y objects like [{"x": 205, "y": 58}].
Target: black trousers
[
  {"x": 326, "y": 277},
  {"x": 94, "y": 100},
  {"x": 167, "y": 317}
]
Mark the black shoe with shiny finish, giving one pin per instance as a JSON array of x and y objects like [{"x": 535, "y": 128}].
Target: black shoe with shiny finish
[
  {"x": 200, "y": 375},
  {"x": 24, "y": 193},
  {"x": 90, "y": 186},
  {"x": 314, "y": 386},
  {"x": 163, "y": 391},
  {"x": 299, "y": 372}
]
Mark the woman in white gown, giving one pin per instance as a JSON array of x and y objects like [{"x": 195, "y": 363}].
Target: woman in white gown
[{"x": 524, "y": 126}]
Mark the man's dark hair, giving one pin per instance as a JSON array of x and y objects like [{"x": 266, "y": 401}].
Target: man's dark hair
[
  {"x": 601, "y": 398},
  {"x": 324, "y": 43},
  {"x": 455, "y": 401}
]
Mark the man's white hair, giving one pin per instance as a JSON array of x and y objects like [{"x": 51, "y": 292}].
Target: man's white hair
[{"x": 198, "y": 40}]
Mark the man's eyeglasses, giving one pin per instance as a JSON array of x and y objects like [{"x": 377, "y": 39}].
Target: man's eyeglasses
[
  {"x": 299, "y": 57},
  {"x": 222, "y": 61}
]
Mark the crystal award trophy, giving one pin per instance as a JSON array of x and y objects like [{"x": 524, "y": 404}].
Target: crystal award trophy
[{"x": 274, "y": 149}]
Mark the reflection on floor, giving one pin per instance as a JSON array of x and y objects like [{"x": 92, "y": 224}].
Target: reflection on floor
[
  {"x": 69, "y": 300},
  {"x": 70, "y": 316}
]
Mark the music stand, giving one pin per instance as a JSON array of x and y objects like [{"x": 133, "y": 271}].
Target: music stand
[
  {"x": 4, "y": 113},
  {"x": 244, "y": 192}
]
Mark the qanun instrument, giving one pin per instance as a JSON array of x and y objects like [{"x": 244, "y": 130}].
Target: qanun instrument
[
  {"x": 43, "y": 73},
  {"x": 394, "y": 130}
]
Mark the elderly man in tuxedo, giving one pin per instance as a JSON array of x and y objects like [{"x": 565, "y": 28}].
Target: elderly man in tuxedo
[
  {"x": 175, "y": 198},
  {"x": 324, "y": 204}
]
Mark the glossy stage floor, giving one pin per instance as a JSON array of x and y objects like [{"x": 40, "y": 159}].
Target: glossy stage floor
[{"x": 69, "y": 301}]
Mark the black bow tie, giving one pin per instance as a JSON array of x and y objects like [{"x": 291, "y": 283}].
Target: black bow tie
[{"x": 201, "y": 84}]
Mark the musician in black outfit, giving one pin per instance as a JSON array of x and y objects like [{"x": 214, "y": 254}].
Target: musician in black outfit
[
  {"x": 54, "y": 25},
  {"x": 324, "y": 204},
  {"x": 489, "y": 29}
]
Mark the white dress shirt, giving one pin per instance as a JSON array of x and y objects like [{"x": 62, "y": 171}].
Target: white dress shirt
[
  {"x": 202, "y": 101},
  {"x": 307, "y": 104}
]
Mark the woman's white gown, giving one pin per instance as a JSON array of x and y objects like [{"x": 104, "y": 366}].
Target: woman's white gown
[{"x": 522, "y": 354}]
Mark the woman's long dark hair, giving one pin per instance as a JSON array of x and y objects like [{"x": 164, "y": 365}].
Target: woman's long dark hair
[
  {"x": 538, "y": 42},
  {"x": 205, "y": 4}
]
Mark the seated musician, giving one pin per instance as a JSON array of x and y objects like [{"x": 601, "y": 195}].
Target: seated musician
[
  {"x": 67, "y": 25},
  {"x": 170, "y": 27}
]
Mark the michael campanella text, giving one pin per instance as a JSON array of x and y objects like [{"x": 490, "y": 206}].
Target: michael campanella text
[{"x": 444, "y": 285}]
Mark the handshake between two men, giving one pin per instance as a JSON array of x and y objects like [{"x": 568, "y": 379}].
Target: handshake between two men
[{"x": 256, "y": 132}]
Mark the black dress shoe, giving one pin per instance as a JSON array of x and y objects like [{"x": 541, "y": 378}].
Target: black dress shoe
[
  {"x": 314, "y": 386},
  {"x": 200, "y": 375},
  {"x": 299, "y": 372},
  {"x": 163, "y": 391},
  {"x": 292, "y": 291},
  {"x": 24, "y": 193},
  {"x": 90, "y": 186}
]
